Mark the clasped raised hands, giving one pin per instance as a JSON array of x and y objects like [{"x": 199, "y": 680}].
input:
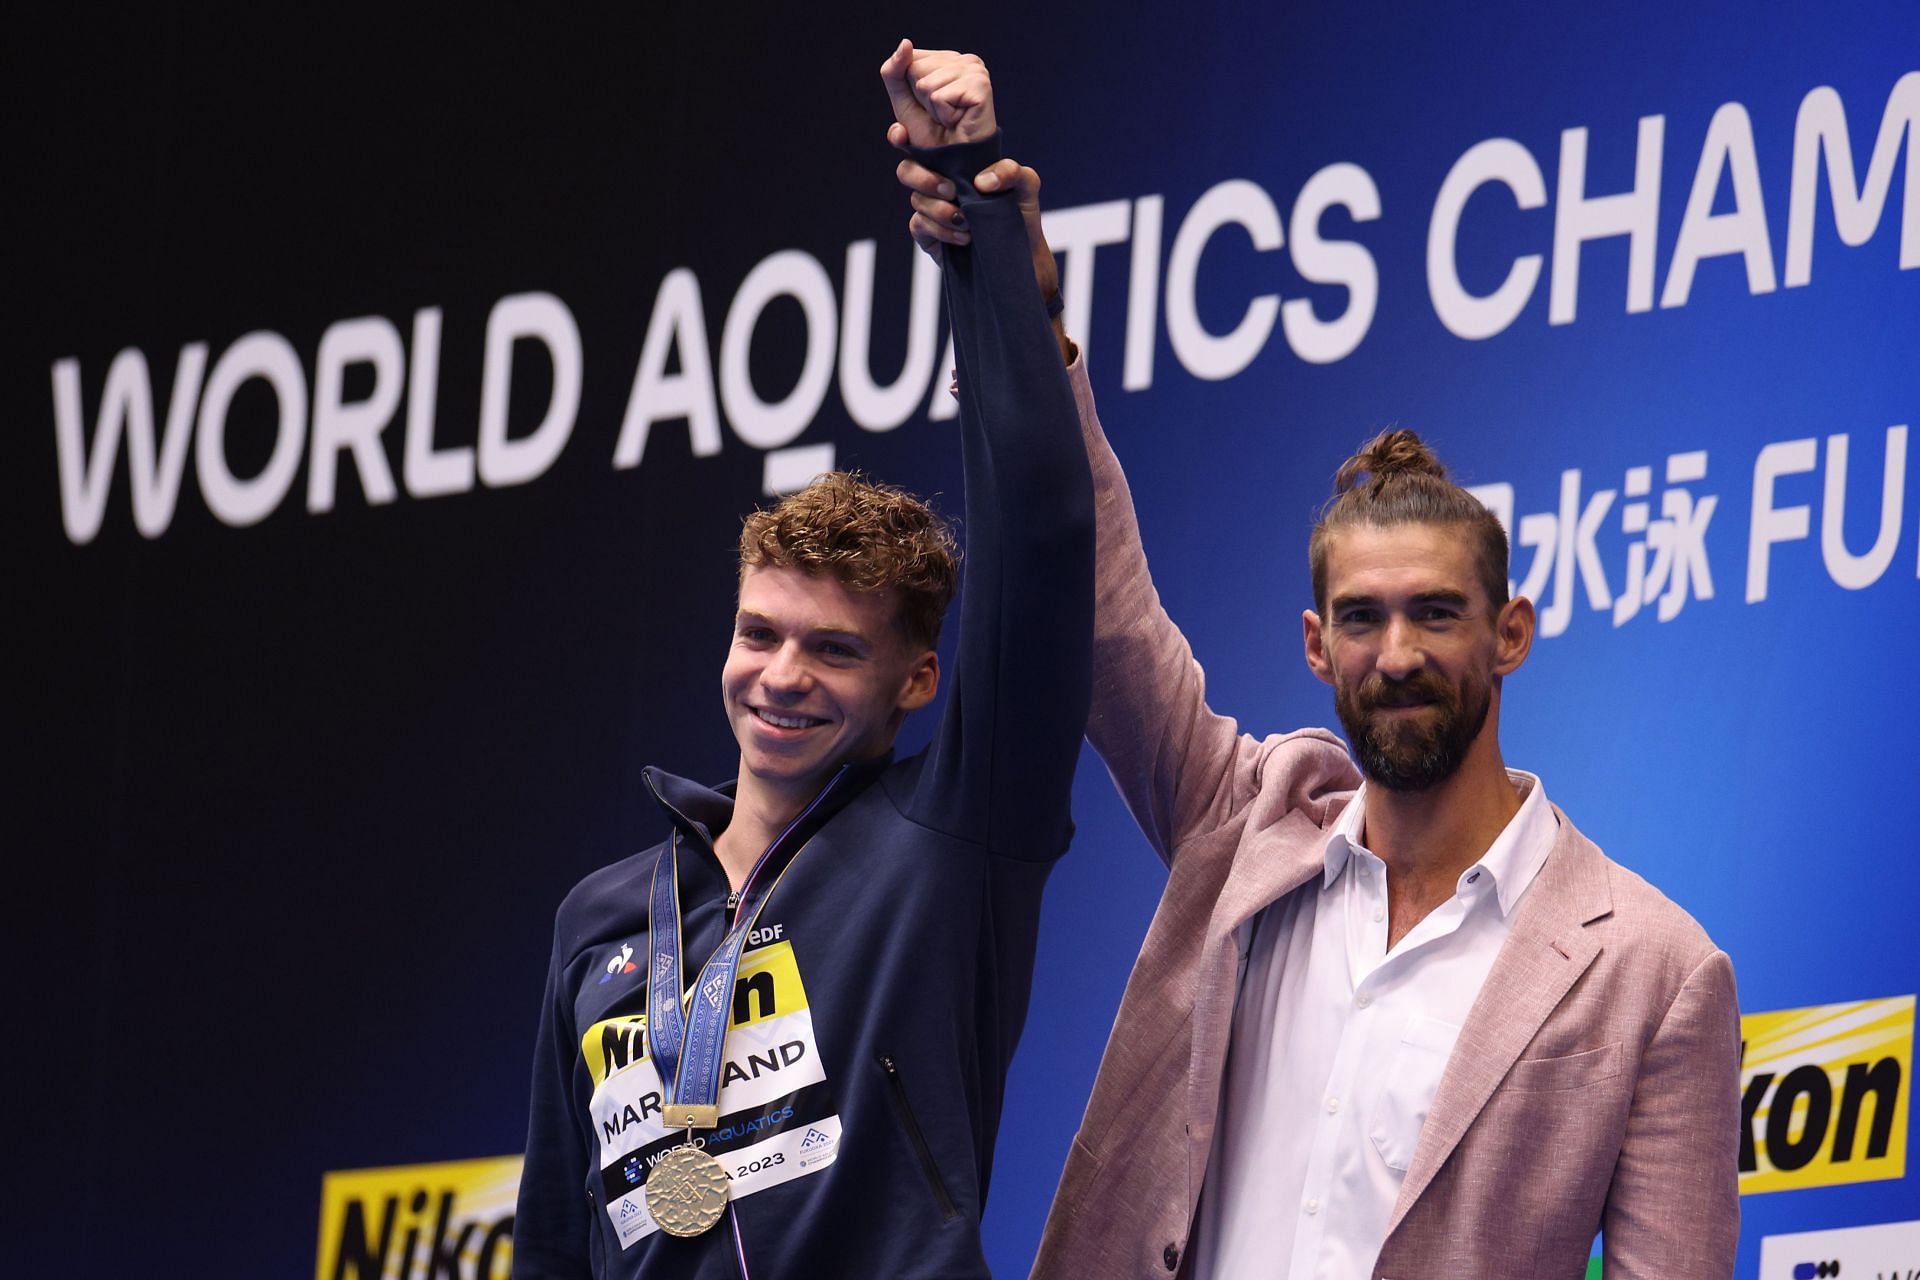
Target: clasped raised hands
[{"x": 941, "y": 97}]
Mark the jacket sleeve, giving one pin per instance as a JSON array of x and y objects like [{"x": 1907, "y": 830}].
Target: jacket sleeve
[
  {"x": 1182, "y": 768},
  {"x": 552, "y": 1229},
  {"x": 1673, "y": 1211},
  {"x": 1000, "y": 768}
]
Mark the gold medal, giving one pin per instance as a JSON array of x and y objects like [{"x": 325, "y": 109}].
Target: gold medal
[{"x": 686, "y": 1191}]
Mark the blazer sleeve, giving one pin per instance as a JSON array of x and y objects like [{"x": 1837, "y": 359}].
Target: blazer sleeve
[
  {"x": 1673, "y": 1210},
  {"x": 999, "y": 770},
  {"x": 1182, "y": 768}
]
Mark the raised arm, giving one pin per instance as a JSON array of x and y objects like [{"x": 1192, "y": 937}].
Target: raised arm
[
  {"x": 1181, "y": 768},
  {"x": 1000, "y": 768}
]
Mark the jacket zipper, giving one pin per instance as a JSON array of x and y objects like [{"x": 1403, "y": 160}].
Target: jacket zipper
[
  {"x": 948, "y": 1211},
  {"x": 734, "y": 896}
]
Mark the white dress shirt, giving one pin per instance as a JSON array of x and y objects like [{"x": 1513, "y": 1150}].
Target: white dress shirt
[{"x": 1338, "y": 1045}]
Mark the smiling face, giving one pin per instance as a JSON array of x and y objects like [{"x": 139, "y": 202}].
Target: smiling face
[
  {"x": 1414, "y": 649},
  {"x": 818, "y": 675}
]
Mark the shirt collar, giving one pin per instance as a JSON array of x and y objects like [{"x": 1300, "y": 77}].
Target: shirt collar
[
  {"x": 1346, "y": 836},
  {"x": 1520, "y": 850},
  {"x": 1512, "y": 860}
]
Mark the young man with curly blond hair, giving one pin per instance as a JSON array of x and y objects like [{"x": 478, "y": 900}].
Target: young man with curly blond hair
[{"x": 776, "y": 1042}]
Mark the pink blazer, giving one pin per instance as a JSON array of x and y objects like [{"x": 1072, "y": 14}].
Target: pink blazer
[{"x": 1594, "y": 1086}]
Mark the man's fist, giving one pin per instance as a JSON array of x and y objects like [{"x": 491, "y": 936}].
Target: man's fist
[{"x": 938, "y": 96}]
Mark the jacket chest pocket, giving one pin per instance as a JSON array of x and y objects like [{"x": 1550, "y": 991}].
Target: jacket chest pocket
[
  {"x": 1412, "y": 1074},
  {"x": 1574, "y": 1071}
]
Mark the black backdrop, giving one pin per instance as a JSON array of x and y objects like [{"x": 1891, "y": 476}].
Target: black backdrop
[{"x": 298, "y": 799}]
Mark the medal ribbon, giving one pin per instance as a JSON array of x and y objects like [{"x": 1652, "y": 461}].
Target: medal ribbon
[{"x": 688, "y": 1050}]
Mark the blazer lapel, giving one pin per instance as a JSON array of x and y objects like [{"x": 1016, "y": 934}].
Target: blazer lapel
[
  {"x": 1542, "y": 958},
  {"x": 1265, "y": 869}
]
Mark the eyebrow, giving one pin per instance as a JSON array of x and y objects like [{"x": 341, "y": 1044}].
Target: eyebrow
[
  {"x": 840, "y": 630},
  {"x": 1446, "y": 596}
]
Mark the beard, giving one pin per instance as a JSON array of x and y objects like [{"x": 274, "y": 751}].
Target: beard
[{"x": 1412, "y": 753}]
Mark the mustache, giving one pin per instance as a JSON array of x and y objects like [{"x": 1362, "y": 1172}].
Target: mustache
[{"x": 1416, "y": 690}]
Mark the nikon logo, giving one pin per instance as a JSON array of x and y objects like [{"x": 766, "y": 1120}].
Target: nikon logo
[
  {"x": 1823, "y": 1094},
  {"x": 448, "y": 1221}
]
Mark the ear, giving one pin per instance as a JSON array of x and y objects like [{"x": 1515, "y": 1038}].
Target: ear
[
  {"x": 923, "y": 681},
  {"x": 1512, "y": 635},
  {"x": 1313, "y": 637}
]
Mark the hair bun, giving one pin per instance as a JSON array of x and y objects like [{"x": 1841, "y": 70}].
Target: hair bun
[{"x": 1398, "y": 452}]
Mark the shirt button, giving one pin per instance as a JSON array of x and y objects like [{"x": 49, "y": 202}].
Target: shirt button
[
  {"x": 1313, "y": 1206},
  {"x": 1364, "y": 1001},
  {"x": 1333, "y": 1106},
  {"x": 1171, "y": 1256},
  {"x": 1379, "y": 914}
]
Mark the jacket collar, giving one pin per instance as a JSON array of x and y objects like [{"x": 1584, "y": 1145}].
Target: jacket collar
[
  {"x": 1288, "y": 855},
  {"x": 702, "y": 812},
  {"x": 1544, "y": 955},
  {"x": 1548, "y": 950}
]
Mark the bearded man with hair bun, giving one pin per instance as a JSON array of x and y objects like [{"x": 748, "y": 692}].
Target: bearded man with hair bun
[
  {"x": 1410, "y": 1023},
  {"x": 1395, "y": 479}
]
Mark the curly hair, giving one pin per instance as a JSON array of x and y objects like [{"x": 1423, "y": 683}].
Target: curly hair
[
  {"x": 1397, "y": 479},
  {"x": 871, "y": 537}
]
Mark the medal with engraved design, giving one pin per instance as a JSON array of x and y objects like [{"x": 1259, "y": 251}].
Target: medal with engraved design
[{"x": 687, "y": 1191}]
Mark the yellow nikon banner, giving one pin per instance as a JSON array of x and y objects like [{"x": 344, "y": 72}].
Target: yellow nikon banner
[
  {"x": 410, "y": 1222},
  {"x": 1823, "y": 1094}
]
